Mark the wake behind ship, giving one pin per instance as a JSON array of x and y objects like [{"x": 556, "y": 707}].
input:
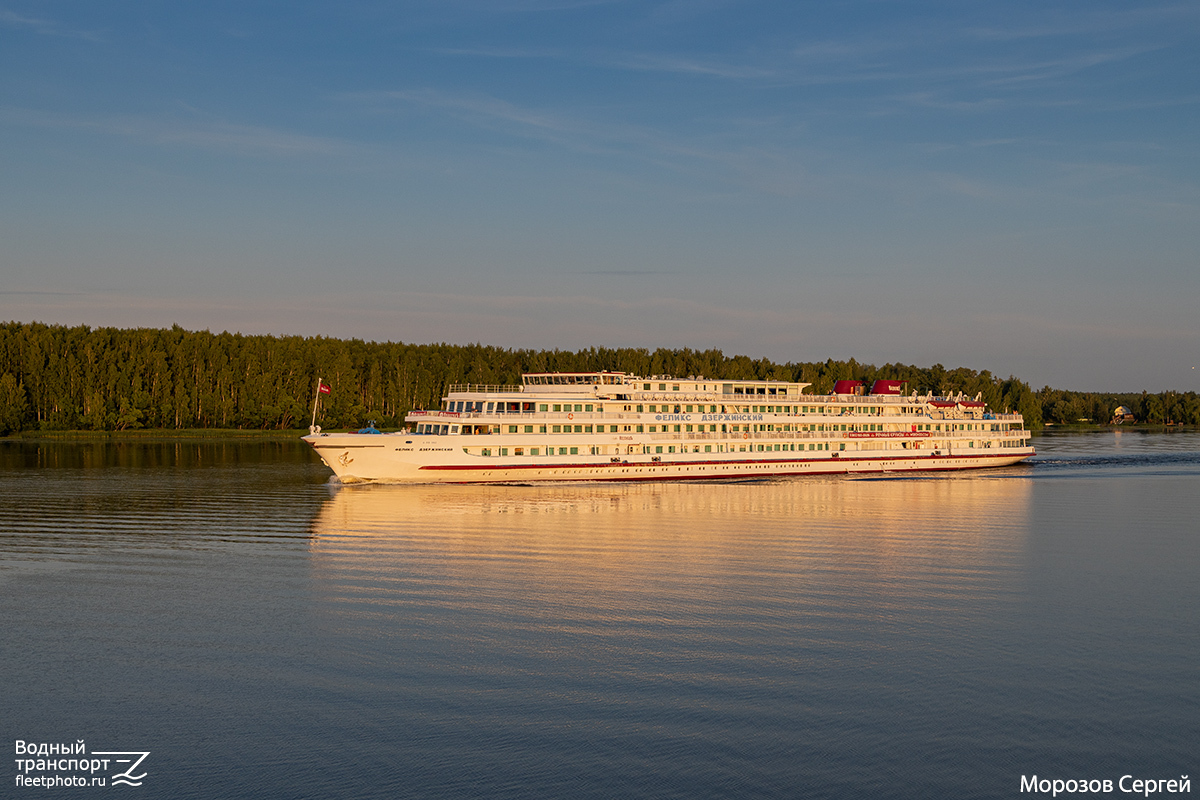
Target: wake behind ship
[{"x": 610, "y": 426}]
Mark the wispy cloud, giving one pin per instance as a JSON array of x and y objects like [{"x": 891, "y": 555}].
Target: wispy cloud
[
  {"x": 700, "y": 155},
  {"x": 206, "y": 133},
  {"x": 497, "y": 52},
  {"x": 571, "y": 132},
  {"x": 45, "y": 27},
  {"x": 690, "y": 66},
  {"x": 38, "y": 294},
  {"x": 626, "y": 273},
  {"x": 1091, "y": 23},
  {"x": 1024, "y": 71},
  {"x": 492, "y": 7}
]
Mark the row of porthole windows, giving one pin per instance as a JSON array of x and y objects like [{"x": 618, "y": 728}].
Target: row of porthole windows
[
  {"x": 481, "y": 407},
  {"x": 445, "y": 430},
  {"x": 597, "y": 450}
]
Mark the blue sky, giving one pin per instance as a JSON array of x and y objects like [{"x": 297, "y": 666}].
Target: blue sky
[{"x": 1012, "y": 187}]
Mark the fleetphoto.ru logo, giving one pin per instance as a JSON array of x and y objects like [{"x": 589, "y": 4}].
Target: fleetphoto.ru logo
[{"x": 50, "y": 764}]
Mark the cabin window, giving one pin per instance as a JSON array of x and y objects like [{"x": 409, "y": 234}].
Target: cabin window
[
  {"x": 579, "y": 407},
  {"x": 675, "y": 387},
  {"x": 654, "y": 429},
  {"x": 518, "y": 451},
  {"x": 543, "y": 407},
  {"x": 574, "y": 451},
  {"x": 688, "y": 409},
  {"x": 639, "y": 429},
  {"x": 529, "y": 429},
  {"x": 587, "y": 407},
  {"x": 612, "y": 428},
  {"x": 556, "y": 428},
  {"x": 689, "y": 428},
  {"x": 487, "y": 451},
  {"x": 512, "y": 428},
  {"x": 454, "y": 429},
  {"x": 645, "y": 387},
  {"x": 503, "y": 451},
  {"x": 595, "y": 450},
  {"x": 557, "y": 407},
  {"x": 639, "y": 408}
]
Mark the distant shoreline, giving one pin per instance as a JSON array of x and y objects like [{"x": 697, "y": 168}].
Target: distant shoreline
[{"x": 157, "y": 435}]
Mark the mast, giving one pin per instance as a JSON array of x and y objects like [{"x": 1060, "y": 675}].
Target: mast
[{"x": 312, "y": 426}]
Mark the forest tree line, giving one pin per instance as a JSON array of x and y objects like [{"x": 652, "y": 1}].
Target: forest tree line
[{"x": 55, "y": 377}]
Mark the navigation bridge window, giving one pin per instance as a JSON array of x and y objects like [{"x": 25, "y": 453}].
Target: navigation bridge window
[{"x": 575, "y": 379}]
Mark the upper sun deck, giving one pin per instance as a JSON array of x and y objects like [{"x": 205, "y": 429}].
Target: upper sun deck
[{"x": 632, "y": 387}]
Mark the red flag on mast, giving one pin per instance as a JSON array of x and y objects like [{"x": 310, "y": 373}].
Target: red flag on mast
[{"x": 323, "y": 389}]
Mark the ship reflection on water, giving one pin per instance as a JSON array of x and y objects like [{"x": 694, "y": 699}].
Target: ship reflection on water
[{"x": 691, "y": 632}]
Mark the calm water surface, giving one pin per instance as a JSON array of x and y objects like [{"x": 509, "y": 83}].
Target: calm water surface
[{"x": 264, "y": 632}]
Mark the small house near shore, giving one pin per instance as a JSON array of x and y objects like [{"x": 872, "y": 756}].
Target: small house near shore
[{"x": 1122, "y": 414}]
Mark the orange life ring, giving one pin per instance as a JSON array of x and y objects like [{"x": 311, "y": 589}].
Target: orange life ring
[
  {"x": 570, "y": 416},
  {"x": 745, "y": 436}
]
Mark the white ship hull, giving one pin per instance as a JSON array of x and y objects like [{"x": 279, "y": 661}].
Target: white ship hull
[{"x": 386, "y": 458}]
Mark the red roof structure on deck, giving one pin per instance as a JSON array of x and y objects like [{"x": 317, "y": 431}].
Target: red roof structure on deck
[
  {"x": 885, "y": 386},
  {"x": 942, "y": 403},
  {"x": 847, "y": 387}
]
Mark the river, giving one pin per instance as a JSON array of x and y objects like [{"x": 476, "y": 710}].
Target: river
[{"x": 263, "y": 632}]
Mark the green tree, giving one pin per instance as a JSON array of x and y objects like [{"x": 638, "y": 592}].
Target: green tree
[{"x": 14, "y": 408}]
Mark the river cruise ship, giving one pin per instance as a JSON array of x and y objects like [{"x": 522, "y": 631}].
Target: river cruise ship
[{"x": 611, "y": 426}]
